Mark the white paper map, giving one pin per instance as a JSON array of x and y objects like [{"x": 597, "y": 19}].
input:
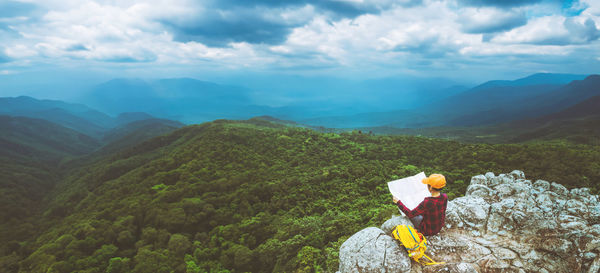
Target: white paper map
[{"x": 410, "y": 190}]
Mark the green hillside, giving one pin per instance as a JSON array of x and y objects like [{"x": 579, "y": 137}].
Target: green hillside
[
  {"x": 30, "y": 139},
  {"x": 135, "y": 132},
  {"x": 30, "y": 154},
  {"x": 253, "y": 196}
]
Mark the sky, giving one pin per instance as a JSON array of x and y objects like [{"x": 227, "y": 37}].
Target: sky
[{"x": 228, "y": 40}]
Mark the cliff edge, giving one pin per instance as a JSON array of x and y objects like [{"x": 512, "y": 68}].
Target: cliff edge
[{"x": 504, "y": 223}]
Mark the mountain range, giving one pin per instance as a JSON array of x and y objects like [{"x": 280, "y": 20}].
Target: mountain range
[
  {"x": 492, "y": 109},
  {"x": 578, "y": 123},
  {"x": 489, "y": 103},
  {"x": 130, "y": 191},
  {"x": 251, "y": 195}
]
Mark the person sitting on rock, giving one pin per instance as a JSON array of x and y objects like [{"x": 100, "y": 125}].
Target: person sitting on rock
[{"x": 429, "y": 216}]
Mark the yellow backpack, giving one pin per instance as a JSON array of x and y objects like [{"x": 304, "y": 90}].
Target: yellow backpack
[{"x": 414, "y": 242}]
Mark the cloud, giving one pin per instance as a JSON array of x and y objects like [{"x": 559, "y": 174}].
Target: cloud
[
  {"x": 4, "y": 58},
  {"x": 552, "y": 30},
  {"x": 77, "y": 47},
  {"x": 340, "y": 8},
  {"x": 338, "y": 35},
  {"x": 219, "y": 28},
  {"x": 130, "y": 59},
  {"x": 218, "y": 23},
  {"x": 7, "y": 72},
  {"x": 498, "y": 3},
  {"x": 11, "y": 9},
  {"x": 427, "y": 31},
  {"x": 488, "y": 20}
]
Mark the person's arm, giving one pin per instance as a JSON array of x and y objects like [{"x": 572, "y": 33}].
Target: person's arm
[{"x": 420, "y": 209}]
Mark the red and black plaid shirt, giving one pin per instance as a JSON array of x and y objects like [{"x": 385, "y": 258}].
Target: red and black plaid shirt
[{"x": 433, "y": 210}]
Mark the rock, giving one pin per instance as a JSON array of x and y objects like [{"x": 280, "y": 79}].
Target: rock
[
  {"x": 589, "y": 256},
  {"x": 501, "y": 179},
  {"x": 595, "y": 230},
  {"x": 559, "y": 189},
  {"x": 465, "y": 268},
  {"x": 503, "y": 253},
  {"x": 516, "y": 174},
  {"x": 479, "y": 180},
  {"x": 391, "y": 223},
  {"x": 452, "y": 268},
  {"x": 473, "y": 211},
  {"x": 595, "y": 267},
  {"x": 594, "y": 245},
  {"x": 580, "y": 193},
  {"x": 594, "y": 214},
  {"x": 372, "y": 250},
  {"x": 490, "y": 263},
  {"x": 576, "y": 207},
  {"x": 504, "y": 190},
  {"x": 447, "y": 247},
  {"x": 479, "y": 190},
  {"x": 452, "y": 217},
  {"x": 541, "y": 185},
  {"x": 504, "y": 223}
]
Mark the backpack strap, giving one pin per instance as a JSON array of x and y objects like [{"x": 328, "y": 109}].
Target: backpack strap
[{"x": 432, "y": 261}]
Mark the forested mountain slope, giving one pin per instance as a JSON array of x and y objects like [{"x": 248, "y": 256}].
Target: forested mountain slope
[
  {"x": 30, "y": 154},
  {"x": 253, "y": 196}
]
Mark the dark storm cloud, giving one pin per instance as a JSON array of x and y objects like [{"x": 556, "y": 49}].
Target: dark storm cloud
[
  {"x": 261, "y": 21},
  {"x": 340, "y": 8},
  {"x": 219, "y": 29},
  {"x": 498, "y": 3}
]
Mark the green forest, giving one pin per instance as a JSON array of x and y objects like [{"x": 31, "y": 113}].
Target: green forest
[{"x": 241, "y": 196}]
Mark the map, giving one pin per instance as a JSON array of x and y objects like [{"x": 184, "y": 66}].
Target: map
[{"x": 410, "y": 190}]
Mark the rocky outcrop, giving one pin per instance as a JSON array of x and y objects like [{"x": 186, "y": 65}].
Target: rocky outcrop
[
  {"x": 504, "y": 223},
  {"x": 372, "y": 250}
]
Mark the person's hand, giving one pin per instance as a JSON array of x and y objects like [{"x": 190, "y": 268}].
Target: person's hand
[{"x": 395, "y": 199}]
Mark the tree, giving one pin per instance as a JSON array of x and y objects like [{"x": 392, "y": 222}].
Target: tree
[{"x": 118, "y": 265}]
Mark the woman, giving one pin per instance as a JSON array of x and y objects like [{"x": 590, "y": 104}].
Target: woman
[{"x": 429, "y": 216}]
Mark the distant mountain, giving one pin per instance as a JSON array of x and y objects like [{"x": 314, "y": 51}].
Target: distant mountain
[
  {"x": 129, "y": 117},
  {"x": 298, "y": 98},
  {"x": 403, "y": 92},
  {"x": 535, "y": 79},
  {"x": 183, "y": 99},
  {"x": 489, "y": 103},
  {"x": 535, "y": 104},
  {"x": 587, "y": 108},
  {"x": 579, "y": 123},
  {"x": 499, "y": 101},
  {"x": 36, "y": 139},
  {"x": 567, "y": 96},
  {"x": 75, "y": 116},
  {"x": 133, "y": 133}
]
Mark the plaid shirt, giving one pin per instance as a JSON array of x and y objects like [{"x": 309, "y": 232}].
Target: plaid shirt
[{"x": 433, "y": 210}]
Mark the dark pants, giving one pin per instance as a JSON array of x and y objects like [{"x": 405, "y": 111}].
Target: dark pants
[{"x": 417, "y": 221}]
